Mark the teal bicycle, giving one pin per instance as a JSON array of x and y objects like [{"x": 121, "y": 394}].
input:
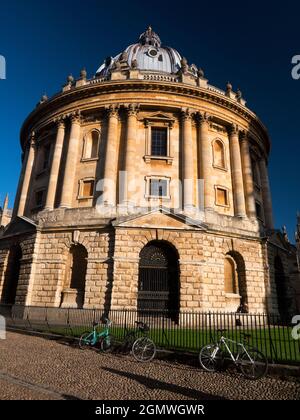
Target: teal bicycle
[{"x": 94, "y": 337}]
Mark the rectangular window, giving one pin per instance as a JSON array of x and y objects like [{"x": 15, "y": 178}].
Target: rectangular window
[
  {"x": 39, "y": 198},
  {"x": 258, "y": 210},
  {"x": 87, "y": 188},
  {"x": 254, "y": 171},
  {"x": 159, "y": 141},
  {"x": 46, "y": 155},
  {"x": 158, "y": 187},
  {"x": 221, "y": 197}
]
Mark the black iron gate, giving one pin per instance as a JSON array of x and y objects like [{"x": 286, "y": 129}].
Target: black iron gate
[{"x": 158, "y": 279}]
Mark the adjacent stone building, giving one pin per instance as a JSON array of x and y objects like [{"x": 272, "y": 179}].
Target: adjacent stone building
[
  {"x": 5, "y": 214},
  {"x": 145, "y": 187}
]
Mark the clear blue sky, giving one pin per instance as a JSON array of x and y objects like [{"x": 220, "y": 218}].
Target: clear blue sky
[{"x": 250, "y": 45}]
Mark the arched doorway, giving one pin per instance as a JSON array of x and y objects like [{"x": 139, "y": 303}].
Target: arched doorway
[
  {"x": 281, "y": 288},
  {"x": 158, "y": 287},
  {"x": 12, "y": 273},
  {"x": 75, "y": 273}
]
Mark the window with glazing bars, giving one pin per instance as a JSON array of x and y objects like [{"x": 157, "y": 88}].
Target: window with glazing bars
[
  {"x": 159, "y": 137},
  {"x": 158, "y": 187}
]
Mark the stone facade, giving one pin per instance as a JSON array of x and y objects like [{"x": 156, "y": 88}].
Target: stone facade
[
  {"x": 145, "y": 156},
  {"x": 5, "y": 214}
]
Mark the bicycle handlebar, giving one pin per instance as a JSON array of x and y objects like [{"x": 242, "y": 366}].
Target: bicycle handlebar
[{"x": 105, "y": 321}]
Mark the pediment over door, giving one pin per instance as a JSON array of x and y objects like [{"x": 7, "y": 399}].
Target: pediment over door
[{"x": 159, "y": 219}]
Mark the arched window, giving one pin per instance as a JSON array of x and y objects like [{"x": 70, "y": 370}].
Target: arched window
[
  {"x": 219, "y": 154},
  {"x": 230, "y": 273},
  {"x": 91, "y": 145}
]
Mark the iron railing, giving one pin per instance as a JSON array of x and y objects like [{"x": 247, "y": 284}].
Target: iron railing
[{"x": 188, "y": 333}]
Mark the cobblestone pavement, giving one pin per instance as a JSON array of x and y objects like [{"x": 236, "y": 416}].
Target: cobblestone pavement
[{"x": 37, "y": 368}]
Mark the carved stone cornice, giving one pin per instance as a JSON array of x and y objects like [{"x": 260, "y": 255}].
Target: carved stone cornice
[{"x": 63, "y": 101}]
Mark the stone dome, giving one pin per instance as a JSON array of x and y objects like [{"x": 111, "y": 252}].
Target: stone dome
[{"x": 146, "y": 55}]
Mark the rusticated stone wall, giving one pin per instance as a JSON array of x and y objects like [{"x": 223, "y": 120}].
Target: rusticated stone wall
[{"x": 113, "y": 267}]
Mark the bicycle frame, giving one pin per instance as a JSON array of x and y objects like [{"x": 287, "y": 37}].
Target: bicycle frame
[
  {"x": 97, "y": 335},
  {"x": 241, "y": 347}
]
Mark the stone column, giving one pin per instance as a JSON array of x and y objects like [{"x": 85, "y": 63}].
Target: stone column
[
  {"x": 111, "y": 157},
  {"x": 188, "y": 159},
  {"x": 130, "y": 156},
  {"x": 70, "y": 168},
  {"x": 237, "y": 174},
  {"x": 205, "y": 160},
  {"x": 248, "y": 177},
  {"x": 266, "y": 193},
  {"x": 28, "y": 161},
  {"x": 53, "y": 179}
]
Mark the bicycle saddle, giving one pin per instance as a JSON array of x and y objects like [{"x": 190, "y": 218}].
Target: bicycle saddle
[
  {"x": 142, "y": 326},
  {"x": 95, "y": 324},
  {"x": 106, "y": 321}
]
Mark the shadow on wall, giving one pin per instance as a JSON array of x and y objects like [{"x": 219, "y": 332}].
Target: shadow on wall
[
  {"x": 110, "y": 272},
  {"x": 11, "y": 278},
  {"x": 281, "y": 297}
]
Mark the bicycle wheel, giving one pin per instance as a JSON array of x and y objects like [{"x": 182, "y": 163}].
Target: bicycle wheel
[
  {"x": 143, "y": 349},
  {"x": 86, "y": 340},
  {"x": 128, "y": 342},
  {"x": 209, "y": 359},
  {"x": 253, "y": 363},
  {"x": 108, "y": 343}
]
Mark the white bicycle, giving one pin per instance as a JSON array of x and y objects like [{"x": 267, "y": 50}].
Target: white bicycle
[{"x": 252, "y": 362}]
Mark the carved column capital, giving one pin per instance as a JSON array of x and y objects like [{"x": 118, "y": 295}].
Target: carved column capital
[
  {"x": 233, "y": 129},
  {"x": 243, "y": 136},
  {"x": 112, "y": 110},
  {"x": 75, "y": 117},
  {"x": 32, "y": 140},
  {"x": 132, "y": 109},
  {"x": 186, "y": 114},
  {"x": 203, "y": 117},
  {"x": 60, "y": 121}
]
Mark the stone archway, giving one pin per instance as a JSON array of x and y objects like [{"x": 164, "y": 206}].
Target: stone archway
[
  {"x": 75, "y": 276},
  {"x": 235, "y": 285},
  {"x": 12, "y": 273},
  {"x": 159, "y": 283}
]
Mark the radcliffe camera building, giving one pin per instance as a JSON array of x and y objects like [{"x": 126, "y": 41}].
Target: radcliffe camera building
[{"x": 111, "y": 210}]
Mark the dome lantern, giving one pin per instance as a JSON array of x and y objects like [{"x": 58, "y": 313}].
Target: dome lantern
[{"x": 149, "y": 37}]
